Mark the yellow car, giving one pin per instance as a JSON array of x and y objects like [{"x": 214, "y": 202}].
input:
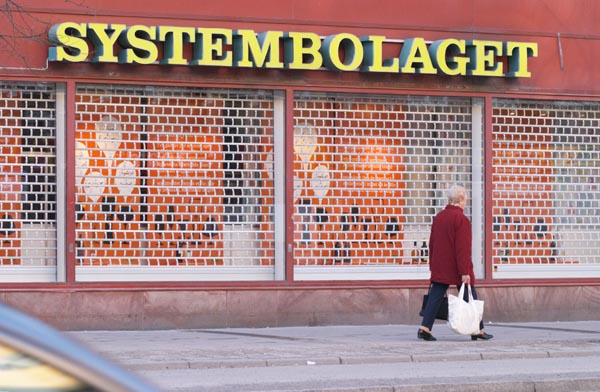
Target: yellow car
[{"x": 37, "y": 357}]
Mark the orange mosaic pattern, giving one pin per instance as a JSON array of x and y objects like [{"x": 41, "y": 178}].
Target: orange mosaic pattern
[
  {"x": 522, "y": 174},
  {"x": 150, "y": 174},
  {"x": 107, "y": 181},
  {"x": 348, "y": 184},
  {"x": 184, "y": 182},
  {"x": 10, "y": 172}
]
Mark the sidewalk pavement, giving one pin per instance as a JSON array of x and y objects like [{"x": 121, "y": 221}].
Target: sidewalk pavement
[{"x": 531, "y": 357}]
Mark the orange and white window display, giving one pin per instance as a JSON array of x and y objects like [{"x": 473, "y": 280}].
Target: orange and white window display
[
  {"x": 348, "y": 205},
  {"x": 108, "y": 183},
  {"x": 173, "y": 176},
  {"x": 185, "y": 206},
  {"x": 267, "y": 226},
  {"x": 10, "y": 203},
  {"x": 370, "y": 173},
  {"x": 523, "y": 225},
  {"x": 27, "y": 174},
  {"x": 546, "y": 197}
]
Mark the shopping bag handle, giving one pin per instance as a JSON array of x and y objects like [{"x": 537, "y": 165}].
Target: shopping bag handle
[{"x": 461, "y": 292}]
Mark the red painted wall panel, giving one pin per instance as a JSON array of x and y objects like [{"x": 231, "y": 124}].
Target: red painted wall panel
[
  {"x": 517, "y": 20},
  {"x": 528, "y": 16}
]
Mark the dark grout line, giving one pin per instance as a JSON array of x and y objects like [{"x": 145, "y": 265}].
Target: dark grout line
[
  {"x": 253, "y": 335},
  {"x": 543, "y": 328}
]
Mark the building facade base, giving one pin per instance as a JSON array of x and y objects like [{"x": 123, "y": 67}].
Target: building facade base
[{"x": 254, "y": 308}]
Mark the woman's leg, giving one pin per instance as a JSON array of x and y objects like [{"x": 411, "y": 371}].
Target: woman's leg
[{"x": 436, "y": 293}]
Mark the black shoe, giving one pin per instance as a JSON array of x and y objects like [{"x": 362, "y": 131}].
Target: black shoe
[
  {"x": 482, "y": 336},
  {"x": 425, "y": 336}
]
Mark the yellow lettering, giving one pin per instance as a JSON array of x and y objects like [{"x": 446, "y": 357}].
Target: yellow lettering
[
  {"x": 104, "y": 36},
  {"x": 483, "y": 58},
  {"x": 251, "y": 50},
  {"x": 74, "y": 42},
  {"x": 174, "y": 38},
  {"x": 140, "y": 48},
  {"x": 373, "y": 57},
  {"x": 351, "y": 48},
  {"x": 211, "y": 48},
  {"x": 440, "y": 55},
  {"x": 69, "y": 43},
  {"x": 517, "y": 62},
  {"x": 414, "y": 51},
  {"x": 297, "y": 55}
]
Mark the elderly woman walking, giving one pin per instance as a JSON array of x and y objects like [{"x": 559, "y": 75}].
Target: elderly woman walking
[{"x": 449, "y": 259}]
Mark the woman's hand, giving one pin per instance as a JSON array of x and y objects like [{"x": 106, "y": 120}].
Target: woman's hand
[{"x": 466, "y": 279}]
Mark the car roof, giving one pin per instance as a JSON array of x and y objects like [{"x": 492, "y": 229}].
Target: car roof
[{"x": 47, "y": 344}]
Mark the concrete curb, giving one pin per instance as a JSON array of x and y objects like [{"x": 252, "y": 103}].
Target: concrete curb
[
  {"x": 580, "y": 385},
  {"x": 352, "y": 360}
]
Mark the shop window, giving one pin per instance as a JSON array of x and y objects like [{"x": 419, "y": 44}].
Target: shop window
[
  {"x": 545, "y": 184},
  {"x": 38, "y": 141},
  {"x": 28, "y": 174},
  {"x": 166, "y": 176},
  {"x": 370, "y": 173},
  {"x": 241, "y": 159}
]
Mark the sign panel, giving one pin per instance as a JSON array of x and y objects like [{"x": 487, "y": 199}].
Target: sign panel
[{"x": 200, "y": 46}]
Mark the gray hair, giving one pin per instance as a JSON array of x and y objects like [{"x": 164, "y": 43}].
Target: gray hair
[{"x": 456, "y": 193}]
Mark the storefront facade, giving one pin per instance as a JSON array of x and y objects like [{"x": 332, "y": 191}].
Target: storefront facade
[{"x": 166, "y": 170}]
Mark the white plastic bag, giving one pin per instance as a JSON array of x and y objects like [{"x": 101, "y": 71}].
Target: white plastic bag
[{"x": 464, "y": 317}]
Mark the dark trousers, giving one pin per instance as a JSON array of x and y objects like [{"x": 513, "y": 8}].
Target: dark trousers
[{"x": 436, "y": 293}]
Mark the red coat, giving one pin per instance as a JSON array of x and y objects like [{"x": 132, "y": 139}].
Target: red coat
[{"x": 450, "y": 247}]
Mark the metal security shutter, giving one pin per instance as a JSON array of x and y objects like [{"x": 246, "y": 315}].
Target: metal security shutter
[
  {"x": 28, "y": 178},
  {"x": 369, "y": 176},
  {"x": 173, "y": 178},
  {"x": 546, "y": 196}
]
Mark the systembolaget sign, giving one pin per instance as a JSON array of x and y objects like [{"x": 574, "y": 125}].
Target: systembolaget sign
[{"x": 138, "y": 44}]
